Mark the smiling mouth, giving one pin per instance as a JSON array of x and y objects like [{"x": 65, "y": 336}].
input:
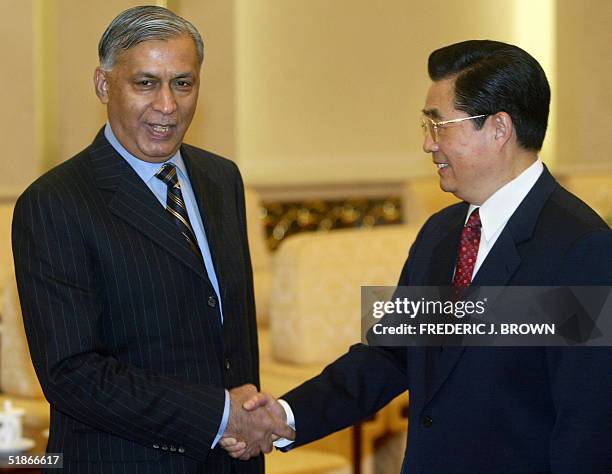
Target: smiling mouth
[
  {"x": 441, "y": 165},
  {"x": 161, "y": 128}
]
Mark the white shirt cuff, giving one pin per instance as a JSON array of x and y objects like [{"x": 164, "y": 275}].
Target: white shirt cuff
[{"x": 283, "y": 442}]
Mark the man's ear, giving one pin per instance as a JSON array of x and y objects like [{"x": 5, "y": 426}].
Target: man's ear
[
  {"x": 101, "y": 84},
  {"x": 503, "y": 127}
]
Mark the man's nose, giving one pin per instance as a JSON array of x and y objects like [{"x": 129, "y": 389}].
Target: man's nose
[
  {"x": 165, "y": 101},
  {"x": 429, "y": 145}
]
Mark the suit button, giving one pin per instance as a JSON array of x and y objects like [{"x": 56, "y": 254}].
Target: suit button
[
  {"x": 228, "y": 364},
  {"x": 172, "y": 448},
  {"x": 156, "y": 446},
  {"x": 164, "y": 447},
  {"x": 212, "y": 301},
  {"x": 427, "y": 421},
  {"x": 181, "y": 449}
]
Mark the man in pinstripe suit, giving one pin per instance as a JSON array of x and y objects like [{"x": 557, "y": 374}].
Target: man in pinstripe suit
[{"x": 134, "y": 274}]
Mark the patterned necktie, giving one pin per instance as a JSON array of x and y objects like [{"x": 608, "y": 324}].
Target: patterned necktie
[
  {"x": 468, "y": 251},
  {"x": 175, "y": 205}
]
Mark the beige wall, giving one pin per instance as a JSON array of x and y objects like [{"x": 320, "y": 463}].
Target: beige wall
[
  {"x": 300, "y": 91},
  {"x": 585, "y": 90},
  {"x": 331, "y": 91},
  {"x": 80, "y": 25},
  {"x": 214, "y": 125},
  {"x": 17, "y": 119}
]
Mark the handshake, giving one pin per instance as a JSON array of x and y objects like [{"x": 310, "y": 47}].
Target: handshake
[{"x": 256, "y": 420}]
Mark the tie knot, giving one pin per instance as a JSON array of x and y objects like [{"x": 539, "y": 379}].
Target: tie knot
[
  {"x": 167, "y": 174},
  {"x": 474, "y": 220}
]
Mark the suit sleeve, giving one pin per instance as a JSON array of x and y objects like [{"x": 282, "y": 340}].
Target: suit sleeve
[
  {"x": 64, "y": 323},
  {"x": 347, "y": 391},
  {"x": 251, "y": 319},
  {"x": 581, "y": 377},
  {"x": 353, "y": 387}
]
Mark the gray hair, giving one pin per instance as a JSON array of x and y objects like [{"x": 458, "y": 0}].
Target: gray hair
[{"x": 143, "y": 23}]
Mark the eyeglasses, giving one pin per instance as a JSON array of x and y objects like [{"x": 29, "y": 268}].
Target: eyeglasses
[{"x": 432, "y": 127}]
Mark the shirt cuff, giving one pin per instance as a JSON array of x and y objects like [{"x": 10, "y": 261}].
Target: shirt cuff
[
  {"x": 283, "y": 442},
  {"x": 224, "y": 420}
]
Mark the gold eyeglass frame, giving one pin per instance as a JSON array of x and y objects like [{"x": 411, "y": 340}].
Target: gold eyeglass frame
[{"x": 431, "y": 126}]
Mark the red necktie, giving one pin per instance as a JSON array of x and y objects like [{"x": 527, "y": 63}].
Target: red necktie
[{"x": 468, "y": 251}]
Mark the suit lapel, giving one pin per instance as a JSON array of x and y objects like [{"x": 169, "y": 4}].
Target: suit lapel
[
  {"x": 498, "y": 268},
  {"x": 445, "y": 252},
  {"x": 504, "y": 258},
  {"x": 436, "y": 365},
  {"x": 133, "y": 202},
  {"x": 210, "y": 203}
]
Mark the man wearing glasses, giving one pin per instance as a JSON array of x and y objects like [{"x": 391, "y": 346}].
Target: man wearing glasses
[{"x": 484, "y": 409}]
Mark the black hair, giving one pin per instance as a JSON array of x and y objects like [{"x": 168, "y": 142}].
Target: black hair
[{"x": 496, "y": 77}]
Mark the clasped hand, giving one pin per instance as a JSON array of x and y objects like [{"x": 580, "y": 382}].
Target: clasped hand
[{"x": 256, "y": 420}]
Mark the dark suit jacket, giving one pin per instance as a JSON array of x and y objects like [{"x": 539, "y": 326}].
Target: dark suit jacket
[
  {"x": 122, "y": 321},
  {"x": 481, "y": 409}
]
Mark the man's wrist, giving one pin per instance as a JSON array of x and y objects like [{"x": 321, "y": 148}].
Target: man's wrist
[
  {"x": 224, "y": 420},
  {"x": 290, "y": 420}
]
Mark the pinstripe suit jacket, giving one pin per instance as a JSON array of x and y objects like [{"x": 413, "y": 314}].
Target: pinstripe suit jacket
[{"x": 122, "y": 321}]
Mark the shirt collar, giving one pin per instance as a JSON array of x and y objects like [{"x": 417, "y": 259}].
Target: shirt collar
[
  {"x": 498, "y": 209},
  {"x": 144, "y": 169}
]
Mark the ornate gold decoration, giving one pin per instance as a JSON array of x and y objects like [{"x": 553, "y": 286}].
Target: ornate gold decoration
[{"x": 282, "y": 219}]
